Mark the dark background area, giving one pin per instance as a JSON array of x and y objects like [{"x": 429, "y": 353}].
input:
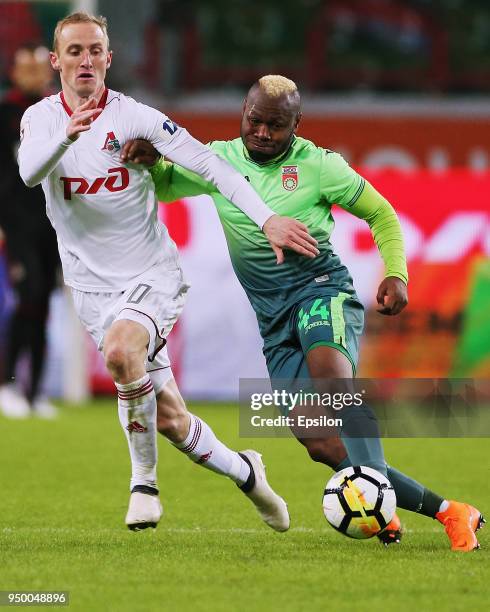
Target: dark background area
[{"x": 184, "y": 46}]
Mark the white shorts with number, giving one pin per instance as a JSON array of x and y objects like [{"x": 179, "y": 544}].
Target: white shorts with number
[{"x": 155, "y": 300}]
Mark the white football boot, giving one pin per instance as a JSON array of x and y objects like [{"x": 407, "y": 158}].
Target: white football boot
[
  {"x": 12, "y": 403},
  {"x": 272, "y": 508},
  {"x": 145, "y": 509}
]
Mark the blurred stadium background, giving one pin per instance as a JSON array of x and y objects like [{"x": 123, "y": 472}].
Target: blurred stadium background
[{"x": 400, "y": 87}]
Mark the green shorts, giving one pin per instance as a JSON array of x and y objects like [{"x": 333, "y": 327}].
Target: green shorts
[{"x": 329, "y": 318}]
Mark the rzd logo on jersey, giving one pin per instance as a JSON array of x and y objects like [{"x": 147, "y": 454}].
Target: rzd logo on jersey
[
  {"x": 79, "y": 185},
  {"x": 290, "y": 177},
  {"x": 111, "y": 143}
]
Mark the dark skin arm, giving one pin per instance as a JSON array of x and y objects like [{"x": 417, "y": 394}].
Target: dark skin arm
[
  {"x": 392, "y": 296},
  {"x": 378, "y": 213},
  {"x": 139, "y": 152}
]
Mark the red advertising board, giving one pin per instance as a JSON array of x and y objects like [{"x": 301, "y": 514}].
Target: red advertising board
[
  {"x": 446, "y": 225},
  {"x": 377, "y": 140}
]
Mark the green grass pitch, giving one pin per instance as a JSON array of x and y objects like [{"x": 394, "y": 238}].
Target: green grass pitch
[{"x": 64, "y": 493}]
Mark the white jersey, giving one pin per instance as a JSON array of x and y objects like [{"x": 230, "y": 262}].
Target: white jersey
[{"x": 105, "y": 211}]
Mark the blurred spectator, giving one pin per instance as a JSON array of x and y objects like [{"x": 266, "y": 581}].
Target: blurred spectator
[
  {"x": 18, "y": 25},
  {"x": 32, "y": 254},
  {"x": 401, "y": 46}
]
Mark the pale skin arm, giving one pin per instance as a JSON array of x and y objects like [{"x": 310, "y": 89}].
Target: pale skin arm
[{"x": 282, "y": 232}]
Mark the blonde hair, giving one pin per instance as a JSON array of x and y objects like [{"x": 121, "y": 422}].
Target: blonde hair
[
  {"x": 275, "y": 85},
  {"x": 79, "y": 17}
]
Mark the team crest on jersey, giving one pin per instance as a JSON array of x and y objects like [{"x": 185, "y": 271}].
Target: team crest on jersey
[
  {"x": 290, "y": 177},
  {"x": 111, "y": 143}
]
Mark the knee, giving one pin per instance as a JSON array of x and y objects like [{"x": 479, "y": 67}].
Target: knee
[
  {"x": 317, "y": 451},
  {"x": 117, "y": 358},
  {"x": 125, "y": 350},
  {"x": 328, "y": 452}
]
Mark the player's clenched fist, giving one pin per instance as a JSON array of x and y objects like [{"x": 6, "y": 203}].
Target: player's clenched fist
[
  {"x": 392, "y": 296},
  {"x": 287, "y": 233},
  {"x": 82, "y": 118}
]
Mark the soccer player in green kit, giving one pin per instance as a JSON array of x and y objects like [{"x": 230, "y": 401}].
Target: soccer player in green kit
[{"x": 308, "y": 313}]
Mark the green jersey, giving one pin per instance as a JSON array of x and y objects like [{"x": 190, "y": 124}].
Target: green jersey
[{"x": 302, "y": 183}]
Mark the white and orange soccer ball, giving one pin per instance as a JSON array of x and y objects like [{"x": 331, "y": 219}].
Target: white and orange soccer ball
[{"x": 359, "y": 502}]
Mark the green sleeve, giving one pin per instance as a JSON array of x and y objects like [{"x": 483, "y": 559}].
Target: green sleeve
[
  {"x": 339, "y": 183},
  {"x": 385, "y": 228},
  {"x": 173, "y": 182}
]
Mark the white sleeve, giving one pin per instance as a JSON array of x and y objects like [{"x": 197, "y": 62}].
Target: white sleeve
[
  {"x": 39, "y": 151},
  {"x": 177, "y": 145}
]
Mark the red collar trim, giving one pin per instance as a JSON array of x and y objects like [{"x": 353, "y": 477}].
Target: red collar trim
[{"x": 101, "y": 104}]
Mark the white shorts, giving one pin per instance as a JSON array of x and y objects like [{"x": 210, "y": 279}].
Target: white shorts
[{"x": 155, "y": 300}]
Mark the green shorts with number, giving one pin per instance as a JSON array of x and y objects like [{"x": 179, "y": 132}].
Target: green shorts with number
[{"x": 327, "y": 317}]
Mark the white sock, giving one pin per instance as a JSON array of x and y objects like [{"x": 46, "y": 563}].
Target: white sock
[
  {"x": 204, "y": 448},
  {"x": 444, "y": 506},
  {"x": 138, "y": 417}
]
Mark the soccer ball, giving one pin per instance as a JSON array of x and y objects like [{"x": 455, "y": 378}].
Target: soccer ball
[{"x": 359, "y": 502}]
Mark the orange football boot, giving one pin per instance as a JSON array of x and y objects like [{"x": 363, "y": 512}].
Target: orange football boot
[
  {"x": 461, "y": 522},
  {"x": 392, "y": 533}
]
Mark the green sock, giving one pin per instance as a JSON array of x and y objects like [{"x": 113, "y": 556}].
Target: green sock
[
  {"x": 410, "y": 494},
  {"x": 360, "y": 421},
  {"x": 343, "y": 464},
  {"x": 430, "y": 503}
]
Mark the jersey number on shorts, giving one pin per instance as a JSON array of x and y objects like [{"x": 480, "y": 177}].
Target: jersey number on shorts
[
  {"x": 138, "y": 294},
  {"x": 318, "y": 308}
]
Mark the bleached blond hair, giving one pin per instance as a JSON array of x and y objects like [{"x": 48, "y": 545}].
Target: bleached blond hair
[{"x": 275, "y": 85}]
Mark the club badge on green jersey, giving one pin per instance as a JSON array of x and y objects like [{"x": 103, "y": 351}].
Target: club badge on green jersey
[{"x": 290, "y": 177}]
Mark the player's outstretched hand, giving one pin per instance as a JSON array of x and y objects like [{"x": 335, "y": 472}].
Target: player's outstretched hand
[
  {"x": 392, "y": 296},
  {"x": 287, "y": 233},
  {"x": 82, "y": 117},
  {"x": 139, "y": 152}
]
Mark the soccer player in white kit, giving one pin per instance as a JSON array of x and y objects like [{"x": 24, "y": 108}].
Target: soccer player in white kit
[{"x": 120, "y": 262}]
